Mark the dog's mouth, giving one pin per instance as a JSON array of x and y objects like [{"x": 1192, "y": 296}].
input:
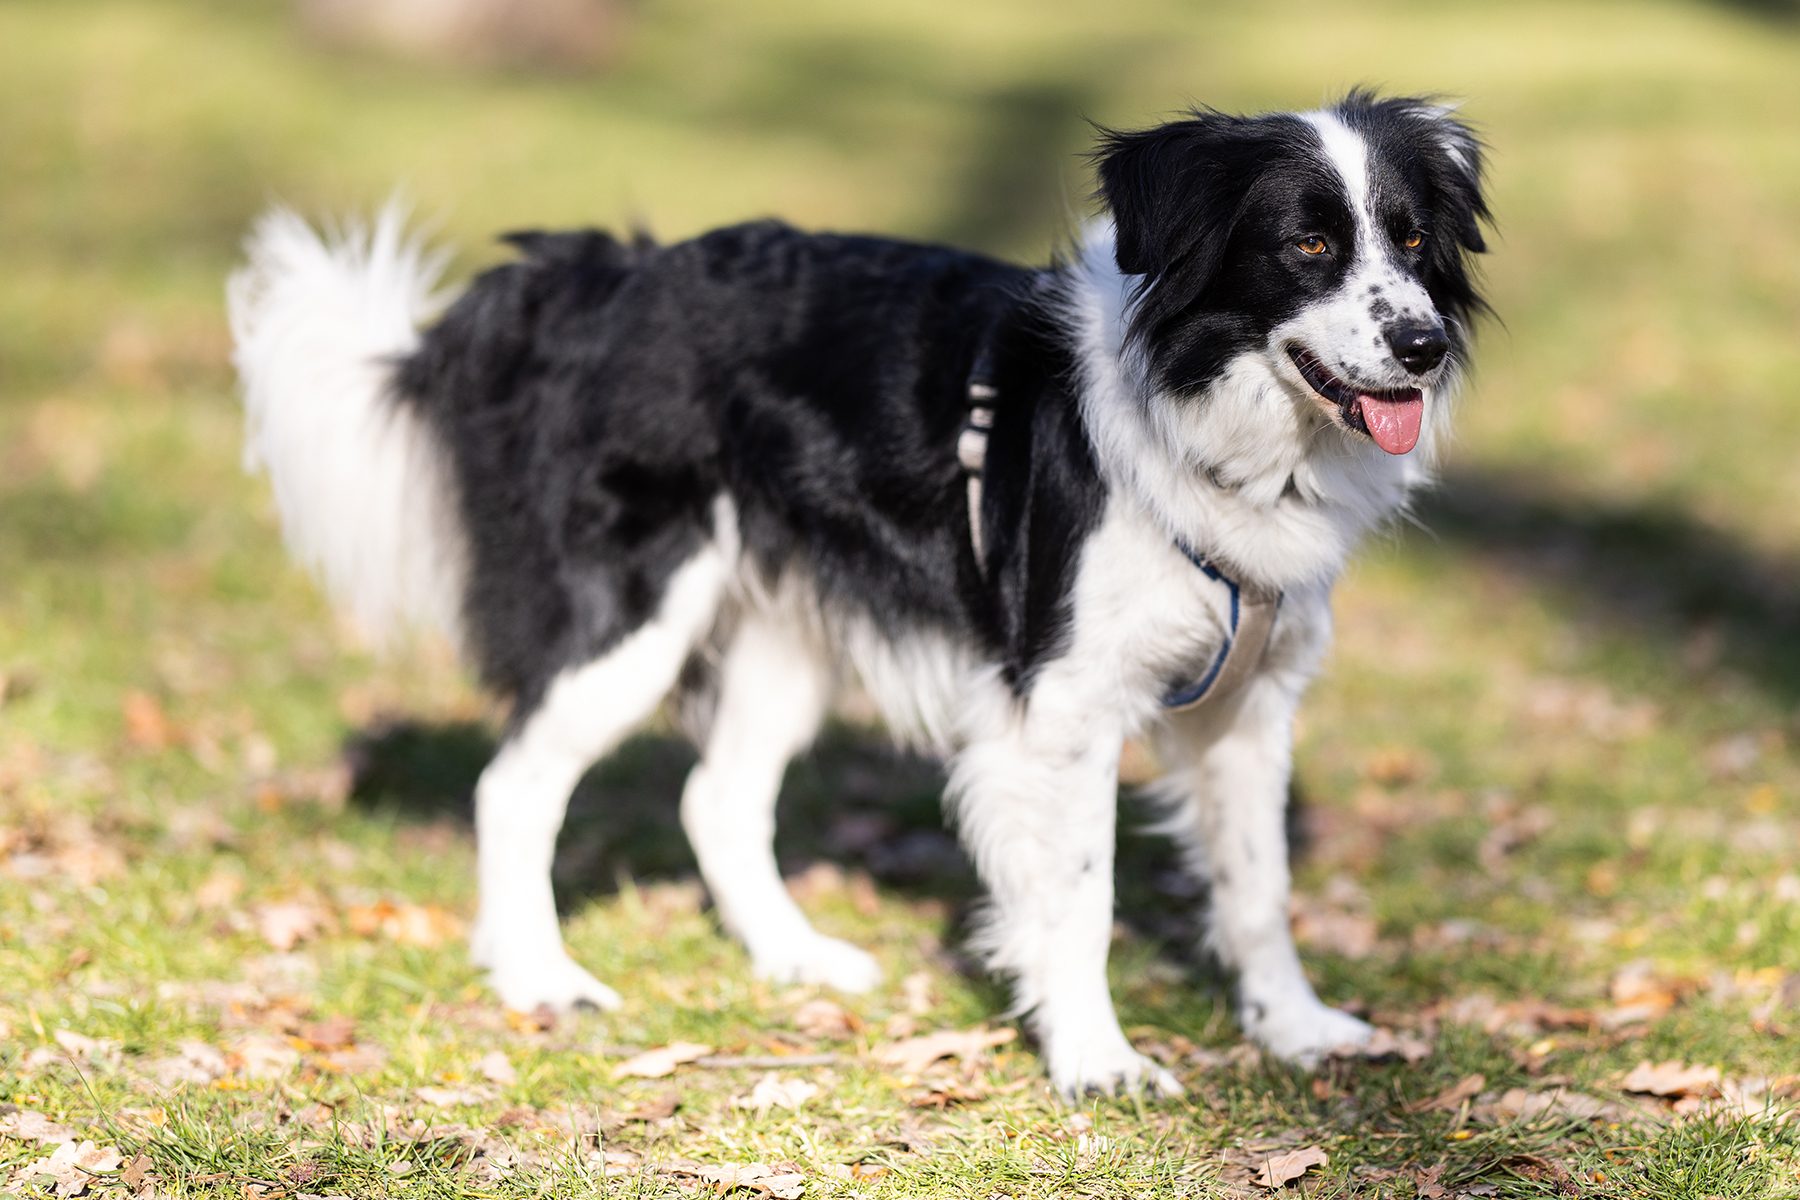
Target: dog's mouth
[{"x": 1389, "y": 417}]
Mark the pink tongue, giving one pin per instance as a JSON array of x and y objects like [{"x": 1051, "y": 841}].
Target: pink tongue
[{"x": 1394, "y": 424}]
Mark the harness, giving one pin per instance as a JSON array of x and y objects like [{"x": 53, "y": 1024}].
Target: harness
[{"x": 1252, "y": 607}]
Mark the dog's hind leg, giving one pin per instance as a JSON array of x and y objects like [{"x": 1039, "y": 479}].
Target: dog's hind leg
[
  {"x": 519, "y": 802},
  {"x": 774, "y": 686}
]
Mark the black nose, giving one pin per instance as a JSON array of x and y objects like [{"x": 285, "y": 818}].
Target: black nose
[{"x": 1417, "y": 345}]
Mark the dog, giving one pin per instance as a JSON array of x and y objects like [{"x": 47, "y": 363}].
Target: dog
[{"x": 1032, "y": 512}]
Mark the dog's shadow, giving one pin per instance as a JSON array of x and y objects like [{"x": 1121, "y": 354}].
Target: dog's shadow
[{"x": 854, "y": 802}]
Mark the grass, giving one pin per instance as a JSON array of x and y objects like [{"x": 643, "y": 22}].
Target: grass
[{"x": 1555, "y": 752}]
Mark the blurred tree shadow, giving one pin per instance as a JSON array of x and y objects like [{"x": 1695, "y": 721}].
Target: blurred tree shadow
[
  {"x": 1785, "y": 11},
  {"x": 1699, "y": 594}
]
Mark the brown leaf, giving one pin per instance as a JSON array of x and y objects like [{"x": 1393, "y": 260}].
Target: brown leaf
[
  {"x": 913, "y": 1055},
  {"x": 1452, "y": 1097},
  {"x": 949, "y": 1095},
  {"x": 28, "y": 1126},
  {"x": 260, "y": 1056},
  {"x": 822, "y": 1018},
  {"x": 758, "y": 1177},
  {"x": 1385, "y": 1043},
  {"x": 196, "y": 1063},
  {"x": 495, "y": 1067},
  {"x": 1282, "y": 1169},
  {"x": 286, "y": 924},
  {"x": 775, "y": 1090},
  {"x": 75, "y": 1165},
  {"x": 135, "y": 1172},
  {"x": 451, "y": 1097},
  {"x": 219, "y": 889},
  {"x": 654, "y": 1064},
  {"x": 916, "y": 989},
  {"x": 333, "y": 1033},
  {"x": 1517, "y": 1104},
  {"x": 1672, "y": 1079},
  {"x": 407, "y": 924},
  {"x": 147, "y": 726},
  {"x": 1639, "y": 993},
  {"x": 657, "y": 1108}
]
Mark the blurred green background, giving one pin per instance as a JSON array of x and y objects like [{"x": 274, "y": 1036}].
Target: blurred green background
[{"x": 1595, "y": 623}]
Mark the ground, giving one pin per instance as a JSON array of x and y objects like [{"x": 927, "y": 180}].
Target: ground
[{"x": 1549, "y": 787}]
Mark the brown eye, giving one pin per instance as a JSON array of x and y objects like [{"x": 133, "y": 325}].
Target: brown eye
[
  {"x": 1313, "y": 244},
  {"x": 1414, "y": 240}
]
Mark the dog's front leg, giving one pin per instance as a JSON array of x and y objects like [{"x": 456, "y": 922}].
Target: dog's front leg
[
  {"x": 1037, "y": 804},
  {"x": 1228, "y": 790}
]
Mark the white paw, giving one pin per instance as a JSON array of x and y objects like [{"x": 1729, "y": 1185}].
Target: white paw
[
  {"x": 1304, "y": 1031},
  {"x": 551, "y": 980},
  {"x": 1109, "y": 1070},
  {"x": 819, "y": 959}
]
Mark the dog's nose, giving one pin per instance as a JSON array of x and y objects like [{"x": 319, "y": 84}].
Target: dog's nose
[{"x": 1418, "y": 345}]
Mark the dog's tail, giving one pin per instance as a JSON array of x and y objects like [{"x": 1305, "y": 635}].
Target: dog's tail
[{"x": 365, "y": 487}]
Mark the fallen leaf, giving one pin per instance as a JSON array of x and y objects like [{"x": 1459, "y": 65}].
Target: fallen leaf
[
  {"x": 1671, "y": 1079},
  {"x": 135, "y": 1172},
  {"x": 28, "y": 1126},
  {"x": 219, "y": 889},
  {"x": 333, "y": 1033},
  {"x": 451, "y": 1097},
  {"x": 657, "y": 1108},
  {"x": 196, "y": 1062},
  {"x": 1452, "y": 1097},
  {"x": 915, "y": 989},
  {"x": 822, "y": 1018},
  {"x": 913, "y": 1055},
  {"x": 495, "y": 1067},
  {"x": 286, "y": 924},
  {"x": 759, "y": 1177},
  {"x": 654, "y": 1064},
  {"x": 424, "y": 925},
  {"x": 75, "y": 1165},
  {"x": 355, "y": 1060},
  {"x": 949, "y": 1095},
  {"x": 1385, "y": 1043},
  {"x": 1517, "y": 1104},
  {"x": 147, "y": 726},
  {"x": 260, "y": 1056},
  {"x": 1282, "y": 1169},
  {"x": 774, "y": 1090}
]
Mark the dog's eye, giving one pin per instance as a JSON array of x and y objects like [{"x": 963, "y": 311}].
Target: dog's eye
[
  {"x": 1312, "y": 244},
  {"x": 1414, "y": 240}
]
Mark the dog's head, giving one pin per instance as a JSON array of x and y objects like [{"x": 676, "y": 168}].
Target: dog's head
[{"x": 1329, "y": 250}]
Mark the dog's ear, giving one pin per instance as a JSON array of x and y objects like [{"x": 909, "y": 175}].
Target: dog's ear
[
  {"x": 1169, "y": 192},
  {"x": 1456, "y": 170}
]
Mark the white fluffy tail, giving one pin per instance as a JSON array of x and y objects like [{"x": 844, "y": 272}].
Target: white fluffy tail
[{"x": 365, "y": 487}]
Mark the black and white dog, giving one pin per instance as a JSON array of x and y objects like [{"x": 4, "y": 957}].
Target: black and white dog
[{"x": 728, "y": 470}]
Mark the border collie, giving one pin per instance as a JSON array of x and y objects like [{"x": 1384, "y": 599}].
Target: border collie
[{"x": 727, "y": 471}]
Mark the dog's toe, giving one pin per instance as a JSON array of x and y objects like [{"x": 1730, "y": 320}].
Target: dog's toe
[
  {"x": 821, "y": 959},
  {"x": 1115, "y": 1073},
  {"x": 557, "y": 983},
  {"x": 1306, "y": 1034}
]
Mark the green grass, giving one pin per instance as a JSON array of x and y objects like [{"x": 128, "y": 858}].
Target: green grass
[{"x": 1594, "y": 646}]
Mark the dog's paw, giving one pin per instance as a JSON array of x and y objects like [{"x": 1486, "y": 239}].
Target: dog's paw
[
  {"x": 1110, "y": 1071},
  {"x": 819, "y": 959},
  {"x": 554, "y": 981},
  {"x": 1305, "y": 1033}
]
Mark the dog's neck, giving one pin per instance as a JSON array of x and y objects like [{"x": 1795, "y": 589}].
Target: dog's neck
[{"x": 1246, "y": 472}]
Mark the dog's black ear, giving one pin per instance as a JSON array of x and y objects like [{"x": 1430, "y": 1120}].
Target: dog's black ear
[
  {"x": 1168, "y": 190},
  {"x": 1456, "y": 170}
]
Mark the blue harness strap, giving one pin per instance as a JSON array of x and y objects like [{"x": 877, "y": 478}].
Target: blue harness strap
[{"x": 1250, "y": 621}]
